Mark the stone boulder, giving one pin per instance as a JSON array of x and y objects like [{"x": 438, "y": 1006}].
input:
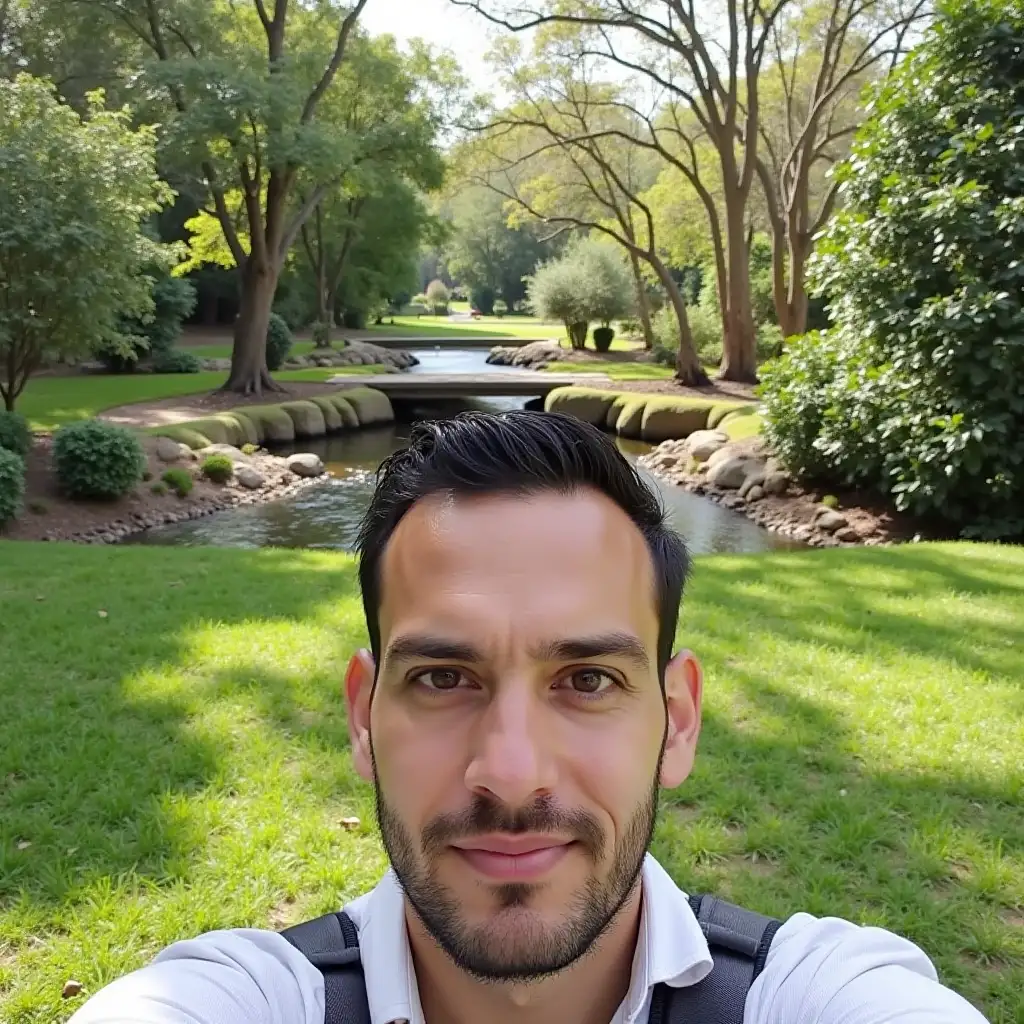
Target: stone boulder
[
  {"x": 225, "y": 449},
  {"x": 306, "y": 417},
  {"x": 167, "y": 450},
  {"x": 588, "y": 404},
  {"x": 775, "y": 482},
  {"x": 249, "y": 478},
  {"x": 371, "y": 406},
  {"x": 531, "y": 357},
  {"x": 306, "y": 464},
  {"x": 755, "y": 478},
  {"x": 702, "y": 444},
  {"x": 830, "y": 520},
  {"x": 731, "y": 474}
]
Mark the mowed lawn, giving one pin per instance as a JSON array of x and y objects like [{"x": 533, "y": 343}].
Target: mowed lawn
[
  {"x": 50, "y": 402},
  {"x": 173, "y": 752}
]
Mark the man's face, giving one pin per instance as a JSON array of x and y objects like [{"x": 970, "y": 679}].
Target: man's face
[{"x": 516, "y": 730}]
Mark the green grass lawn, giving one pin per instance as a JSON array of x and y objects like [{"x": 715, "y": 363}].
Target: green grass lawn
[
  {"x": 180, "y": 763},
  {"x": 617, "y": 371},
  {"x": 50, "y": 402}
]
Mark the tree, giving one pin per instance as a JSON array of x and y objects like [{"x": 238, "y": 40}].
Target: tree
[
  {"x": 438, "y": 296},
  {"x": 245, "y": 83},
  {"x": 916, "y": 391},
  {"x": 74, "y": 196}
]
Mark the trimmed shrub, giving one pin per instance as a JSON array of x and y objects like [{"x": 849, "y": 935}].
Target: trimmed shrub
[
  {"x": 332, "y": 418},
  {"x": 720, "y": 411},
  {"x": 98, "y": 460},
  {"x": 349, "y": 416},
  {"x": 218, "y": 468},
  {"x": 739, "y": 427},
  {"x": 183, "y": 433},
  {"x": 500, "y": 307},
  {"x": 371, "y": 406},
  {"x": 667, "y": 418},
  {"x": 250, "y": 449},
  {"x": 588, "y": 404},
  {"x": 603, "y": 338},
  {"x": 483, "y": 299},
  {"x": 216, "y": 429},
  {"x": 175, "y": 361},
  {"x": 178, "y": 480},
  {"x": 279, "y": 342},
  {"x": 12, "y": 484},
  {"x": 438, "y": 296},
  {"x": 273, "y": 423},
  {"x": 14, "y": 433},
  {"x": 307, "y": 417}
]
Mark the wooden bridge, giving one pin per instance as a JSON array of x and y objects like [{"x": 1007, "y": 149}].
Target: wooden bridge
[{"x": 500, "y": 384}]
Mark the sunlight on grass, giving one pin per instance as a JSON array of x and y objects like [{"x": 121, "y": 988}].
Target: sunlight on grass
[
  {"x": 617, "y": 371},
  {"x": 182, "y": 763}
]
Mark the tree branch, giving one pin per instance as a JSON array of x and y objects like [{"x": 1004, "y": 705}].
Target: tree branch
[{"x": 313, "y": 100}]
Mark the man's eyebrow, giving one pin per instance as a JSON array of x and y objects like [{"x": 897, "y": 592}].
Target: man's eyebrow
[
  {"x": 603, "y": 645},
  {"x": 435, "y": 648}
]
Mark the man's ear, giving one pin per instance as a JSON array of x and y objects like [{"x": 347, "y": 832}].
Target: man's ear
[
  {"x": 684, "y": 690},
  {"x": 358, "y": 690}
]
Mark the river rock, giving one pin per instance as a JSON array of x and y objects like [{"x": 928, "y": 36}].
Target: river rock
[
  {"x": 702, "y": 444},
  {"x": 848, "y": 535},
  {"x": 532, "y": 356},
  {"x": 233, "y": 453},
  {"x": 753, "y": 479},
  {"x": 167, "y": 450},
  {"x": 723, "y": 454},
  {"x": 731, "y": 474},
  {"x": 830, "y": 521},
  {"x": 775, "y": 483},
  {"x": 306, "y": 464},
  {"x": 756, "y": 493}
]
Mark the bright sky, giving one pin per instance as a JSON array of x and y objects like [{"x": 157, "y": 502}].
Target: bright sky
[{"x": 440, "y": 23}]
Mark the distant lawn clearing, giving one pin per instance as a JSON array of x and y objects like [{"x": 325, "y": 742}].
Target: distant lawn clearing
[
  {"x": 180, "y": 764},
  {"x": 50, "y": 402},
  {"x": 617, "y": 371}
]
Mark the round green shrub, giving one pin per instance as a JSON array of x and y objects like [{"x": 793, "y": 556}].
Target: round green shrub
[
  {"x": 250, "y": 449},
  {"x": 174, "y": 360},
  {"x": 14, "y": 433},
  {"x": 218, "y": 468},
  {"x": 178, "y": 480},
  {"x": 98, "y": 460},
  {"x": 12, "y": 484},
  {"x": 603, "y": 338},
  {"x": 279, "y": 342}
]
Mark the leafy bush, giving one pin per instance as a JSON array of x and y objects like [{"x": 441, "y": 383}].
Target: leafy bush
[
  {"x": 916, "y": 390},
  {"x": 159, "y": 488},
  {"x": 500, "y": 307},
  {"x": 769, "y": 342},
  {"x": 603, "y": 338},
  {"x": 250, "y": 449},
  {"x": 12, "y": 484},
  {"x": 99, "y": 460},
  {"x": 706, "y": 328},
  {"x": 14, "y": 433},
  {"x": 483, "y": 299},
  {"x": 830, "y": 501},
  {"x": 321, "y": 334},
  {"x": 175, "y": 360},
  {"x": 279, "y": 342},
  {"x": 218, "y": 468},
  {"x": 438, "y": 297},
  {"x": 178, "y": 480}
]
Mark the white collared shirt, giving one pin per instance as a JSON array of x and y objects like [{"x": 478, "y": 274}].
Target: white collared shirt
[{"x": 819, "y": 971}]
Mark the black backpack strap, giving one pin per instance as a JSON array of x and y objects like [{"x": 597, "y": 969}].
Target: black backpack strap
[
  {"x": 331, "y": 944},
  {"x": 739, "y": 941}
]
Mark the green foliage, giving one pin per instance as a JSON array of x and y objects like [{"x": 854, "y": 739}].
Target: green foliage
[
  {"x": 321, "y": 332},
  {"x": 159, "y": 488},
  {"x": 74, "y": 193},
  {"x": 830, "y": 501},
  {"x": 279, "y": 342},
  {"x": 250, "y": 449},
  {"x": 603, "y": 338},
  {"x": 12, "y": 484},
  {"x": 176, "y": 360},
  {"x": 483, "y": 299},
  {"x": 218, "y": 468},
  {"x": 179, "y": 481},
  {"x": 916, "y": 392},
  {"x": 500, "y": 307},
  {"x": 769, "y": 342},
  {"x": 438, "y": 297},
  {"x": 15, "y": 435},
  {"x": 97, "y": 460},
  {"x": 589, "y": 281},
  {"x": 706, "y": 328}
]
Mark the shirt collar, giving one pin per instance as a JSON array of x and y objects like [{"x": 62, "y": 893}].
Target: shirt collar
[{"x": 671, "y": 948}]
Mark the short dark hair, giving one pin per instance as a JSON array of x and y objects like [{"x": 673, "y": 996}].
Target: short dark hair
[{"x": 517, "y": 452}]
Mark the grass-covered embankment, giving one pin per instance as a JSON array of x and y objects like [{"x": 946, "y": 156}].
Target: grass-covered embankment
[{"x": 173, "y": 752}]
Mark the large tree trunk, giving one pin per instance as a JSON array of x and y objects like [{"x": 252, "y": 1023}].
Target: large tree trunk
[
  {"x": 643, "y": 302},
  {"x": 739, "y": 344},
  {"x": 689, "y": 370},
  {"x": 796, "y": 298},
  {"x": 249, "y": 374}
]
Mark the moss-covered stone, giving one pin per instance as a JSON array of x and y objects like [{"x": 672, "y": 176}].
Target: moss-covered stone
[
  {"x": 666, "y": 418},
  {"x": 307, "y": 417},
  {"x": 183, "y": 433},
  {"x": 332, "y": 417},
  {"x": 720, "y": 410},
  {"x": 371, "y": 406},
  {"x": 215, "y": 429},
  {"x": 349, "y": 417},
  {"x": 630, "y": 421},
  {"x": 273, "y": 423},
  {"x": 588, "y": 404},
  {"x": 247, "y": 429}
]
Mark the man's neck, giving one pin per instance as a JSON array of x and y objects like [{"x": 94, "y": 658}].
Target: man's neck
[{"x": 590, "y": 990}]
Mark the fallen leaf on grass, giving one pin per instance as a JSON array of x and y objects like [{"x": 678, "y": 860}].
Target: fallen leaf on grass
[
  {"x": 350, "y": 823},
  {"x": 24, "y": 844},
  {"x": 102, "y": 614}
]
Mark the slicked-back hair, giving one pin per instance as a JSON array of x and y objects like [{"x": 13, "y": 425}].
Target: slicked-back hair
[{"x": 517, "y": 453}]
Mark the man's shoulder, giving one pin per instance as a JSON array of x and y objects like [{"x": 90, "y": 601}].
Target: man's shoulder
[{"x": 825, "y": 969}]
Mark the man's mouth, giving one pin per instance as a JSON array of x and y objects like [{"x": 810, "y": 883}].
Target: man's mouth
[{"x": 513, "y": 858}]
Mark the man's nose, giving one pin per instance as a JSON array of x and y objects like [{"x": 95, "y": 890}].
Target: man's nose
[{"x": 512, "y": 759}]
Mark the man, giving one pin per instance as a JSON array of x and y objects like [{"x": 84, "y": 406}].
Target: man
[{"x": 517, "y": 712}]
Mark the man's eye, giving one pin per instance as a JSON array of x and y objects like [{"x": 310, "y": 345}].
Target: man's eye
[
  {"x": 589, "y": 682},
  {"x": 440, "y": 679}
]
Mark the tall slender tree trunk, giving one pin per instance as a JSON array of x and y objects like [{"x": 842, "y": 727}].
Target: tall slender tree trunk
[
  {"x": 739, "y": 348},
  {"x": 249, "y": 374},
  {"x": 689, "y": 370},
  {"x": 643, "y": 302}
]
